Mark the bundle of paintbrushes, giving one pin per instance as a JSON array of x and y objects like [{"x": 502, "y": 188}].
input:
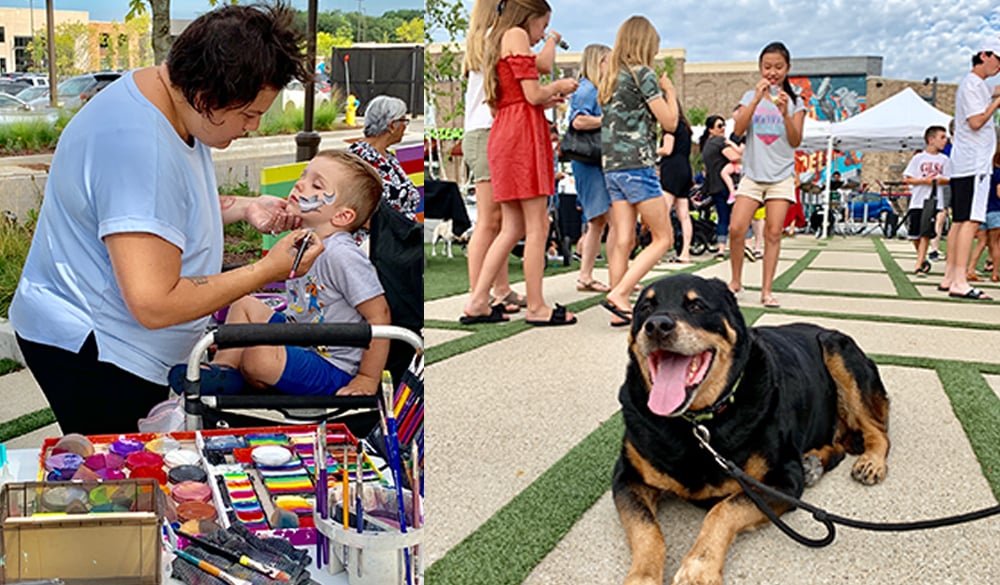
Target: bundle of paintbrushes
[
  {"x": 238, "y": 557},
  {"x": 408, "y": 411}
]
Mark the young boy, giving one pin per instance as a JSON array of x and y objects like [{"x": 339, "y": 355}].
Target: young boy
[
  {"x": 925, "y": 173},
  {"x": 336, "y": 194}
]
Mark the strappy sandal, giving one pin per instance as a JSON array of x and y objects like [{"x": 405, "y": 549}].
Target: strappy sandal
[{"x": 592, "y": 286}]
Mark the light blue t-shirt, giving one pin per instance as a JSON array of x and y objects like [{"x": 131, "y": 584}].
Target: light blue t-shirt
[
  {"x": 119, "y": 167},
  {"x": 340, "y": 279},
  {"x": 769, "y": 157}
]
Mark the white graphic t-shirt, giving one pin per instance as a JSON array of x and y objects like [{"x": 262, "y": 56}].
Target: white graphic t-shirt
[{"x": 769, "y": 157}]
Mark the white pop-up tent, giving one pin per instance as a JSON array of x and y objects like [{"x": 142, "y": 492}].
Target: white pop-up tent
[{"x": 896, "y": 124}]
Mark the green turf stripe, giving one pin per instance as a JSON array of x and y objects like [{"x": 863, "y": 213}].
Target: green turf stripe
[
  {"x": 900, "y": 279},
  {"x": 787, "y": 277},
  {"x": 25, "y": 424},
  {"x": 507, "y": 547},
  {"x": 892, "y": 319},
  {"x": 978, "y": 408},
  {"x": 8, "y": 365}
]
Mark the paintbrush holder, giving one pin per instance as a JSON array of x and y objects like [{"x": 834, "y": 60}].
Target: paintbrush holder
[{"x": 376, "y": 558}]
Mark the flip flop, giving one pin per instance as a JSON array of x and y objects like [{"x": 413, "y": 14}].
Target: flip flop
[
  {"x": 616, "y": 310},
  {"x": 496, "y": 315},
  {"x": 592, "y": 286},
  {"x": 513, "y": 298},
  {"x": 558, "y": 318},
  {"x": 770, "y": 302},
  {"x": 944, "y": 288},
  {"x": 973, "y": 293},
  {"x": 624, "y": 323},
  {"x": 508, "y": 308}
]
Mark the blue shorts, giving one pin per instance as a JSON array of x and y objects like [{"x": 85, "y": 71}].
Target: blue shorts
[
  {"x": 307, "y": 373},
  {"x": 992, "y": 221},
  {"x": 633, "y": 185},
  {"x": 591, "y": 191}
]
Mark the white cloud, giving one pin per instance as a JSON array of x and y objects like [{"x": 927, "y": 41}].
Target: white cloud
[{"x": 915, "y": 39}]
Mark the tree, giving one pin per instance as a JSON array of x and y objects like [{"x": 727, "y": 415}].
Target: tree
[
  {"x": 72, "y": 49},
  {"x": 411, "y": 31},
  {"x": 160, "y": 32}
]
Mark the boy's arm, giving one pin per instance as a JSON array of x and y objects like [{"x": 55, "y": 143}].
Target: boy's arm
[{"x": 366, "y": 383}]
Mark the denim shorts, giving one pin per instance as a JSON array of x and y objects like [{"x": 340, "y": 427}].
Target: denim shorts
[
  {"x": 307, "y": 373},
  {"x": 992, "y": 221},
  {"x": 633, "y": 185}
]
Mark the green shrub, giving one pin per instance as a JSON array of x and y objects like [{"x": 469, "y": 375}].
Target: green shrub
[{"x": 15, "y": 240}]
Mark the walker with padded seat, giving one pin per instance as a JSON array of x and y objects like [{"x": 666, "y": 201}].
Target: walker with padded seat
[{"x": 359, "y": 413}]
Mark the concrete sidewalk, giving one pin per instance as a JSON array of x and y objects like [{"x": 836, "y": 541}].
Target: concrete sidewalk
[{"x": 501, "y": 415}]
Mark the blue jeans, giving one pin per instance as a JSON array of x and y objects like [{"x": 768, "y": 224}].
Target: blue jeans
[{"x": 723, "y": 210}]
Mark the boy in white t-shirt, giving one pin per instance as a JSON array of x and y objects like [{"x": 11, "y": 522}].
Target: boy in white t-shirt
[{"x": 927, "y": 170}]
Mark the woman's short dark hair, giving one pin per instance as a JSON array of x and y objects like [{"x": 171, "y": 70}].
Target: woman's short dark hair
[{"x": 225, "y": 57}]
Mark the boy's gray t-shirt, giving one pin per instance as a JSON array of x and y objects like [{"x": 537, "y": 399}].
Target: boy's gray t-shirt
[
  {"x": 769, "y": 158},
  {"x": 341, "y": 279}
]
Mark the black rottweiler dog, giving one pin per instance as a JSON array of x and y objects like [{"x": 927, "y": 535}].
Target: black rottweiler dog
[{"x": 783, "y": 403}]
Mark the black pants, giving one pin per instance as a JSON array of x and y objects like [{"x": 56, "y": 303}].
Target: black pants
[{"x": 88, "y": 396}]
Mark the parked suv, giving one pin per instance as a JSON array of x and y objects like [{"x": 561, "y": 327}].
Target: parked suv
[{"x": 75, "y": 91}]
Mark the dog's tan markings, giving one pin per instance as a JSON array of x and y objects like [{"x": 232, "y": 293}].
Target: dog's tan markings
[
  {"x": 731, "y": 334},
  {"x": 829, "y": 455},
  {"x": 717, "y": 379},
  {"x": 650, "y": 294},
  {"x": 755, "y": 467},
  {"x": 637, "y": 510},
  {"x": 703, "y": 564},
  {"x": 692, "y": 295},
  {"x": 870, "y": 418}
]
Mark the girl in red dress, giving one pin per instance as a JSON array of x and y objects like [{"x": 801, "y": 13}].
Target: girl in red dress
[{"x": 520, "y": 155}]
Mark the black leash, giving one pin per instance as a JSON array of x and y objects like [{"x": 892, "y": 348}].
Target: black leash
[{"x": 825, "y": 518}]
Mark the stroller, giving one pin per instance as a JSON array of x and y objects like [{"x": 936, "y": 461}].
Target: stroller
[{"x": 359, "y": 413}]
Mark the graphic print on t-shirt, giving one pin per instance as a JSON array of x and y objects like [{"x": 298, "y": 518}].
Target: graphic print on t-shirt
[{"x": 768, "y": 123}]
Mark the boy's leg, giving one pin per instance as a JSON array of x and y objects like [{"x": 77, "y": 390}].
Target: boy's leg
[
  {"x": 247, "y": 309},
  {"x": 262, "y": 365}
]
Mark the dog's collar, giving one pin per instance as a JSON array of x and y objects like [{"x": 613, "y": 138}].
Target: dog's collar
[{"x": 720, "y": 405}]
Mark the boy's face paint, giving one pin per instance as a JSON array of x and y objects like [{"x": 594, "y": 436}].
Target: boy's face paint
[{"x": 309, "y": 203}]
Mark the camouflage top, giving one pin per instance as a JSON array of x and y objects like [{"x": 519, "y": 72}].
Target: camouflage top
[{"x": 628, "y": 127}]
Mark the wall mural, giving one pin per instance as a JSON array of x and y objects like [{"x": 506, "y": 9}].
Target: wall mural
[{"x": 833, "y": 98}]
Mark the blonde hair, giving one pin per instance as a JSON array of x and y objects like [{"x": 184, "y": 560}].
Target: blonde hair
[
  {"x": 590, "y": 66},
  {"x": 362, "y": 188},
  {"x": 481, "y": 19},
  {"x": 513, "y": 13},
  {"x": 635, "y": 44}
]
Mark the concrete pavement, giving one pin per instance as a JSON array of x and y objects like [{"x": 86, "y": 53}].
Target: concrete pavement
[{"x": 504, "y": 416}]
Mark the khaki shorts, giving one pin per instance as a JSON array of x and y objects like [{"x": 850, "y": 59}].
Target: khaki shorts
[
  {"x": 474, "y": 151},
  {"x": 761, "y": 192}
]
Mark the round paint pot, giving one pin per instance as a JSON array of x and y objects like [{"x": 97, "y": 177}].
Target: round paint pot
[
  {"x": 108, "y": 473},
  {"x": 125, "y": 446},
  {"x": 163, "y": 445},
  {"x": 196, "y": 511},
  {"x": 64, "y": 461},
  {"x": 143, "y": 459},
  {"x": 181, "y": 457},
  {"x": 57, "y": 499},
  {"x": 74, "y": 443},
  {"x": 183, "y": 473},
  {"x": 156, "y": 473},
  {"x": 100, "y": 461},
  {"x": 271, "y": 455},
  {"x": 191, "y": 491}
]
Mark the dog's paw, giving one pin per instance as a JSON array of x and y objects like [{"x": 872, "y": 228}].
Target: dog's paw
[
  {"x": 869, "y": 469},
  {"x": 695, "y": 573},
  {"x": 641, "y": 580},
  {"x": 812, "y": 469}
]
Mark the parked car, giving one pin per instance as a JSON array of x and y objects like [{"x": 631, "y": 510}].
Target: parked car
[
  {"x": 75, "y": 91},
  {"x": 13, "y": 86},
  {"x": 13, "y": 109},
  {"x": 31, "y": 93},
  {"x": 294, "y": 94}
]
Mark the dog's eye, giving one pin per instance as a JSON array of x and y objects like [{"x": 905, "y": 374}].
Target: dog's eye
[{"x": 695, "y": 306}]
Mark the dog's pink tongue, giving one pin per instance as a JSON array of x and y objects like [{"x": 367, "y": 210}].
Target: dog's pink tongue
[{"x": 669, "y": 380}]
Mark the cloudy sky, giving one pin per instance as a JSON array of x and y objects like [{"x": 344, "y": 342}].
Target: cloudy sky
[{"x": 915, "y": 38}]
